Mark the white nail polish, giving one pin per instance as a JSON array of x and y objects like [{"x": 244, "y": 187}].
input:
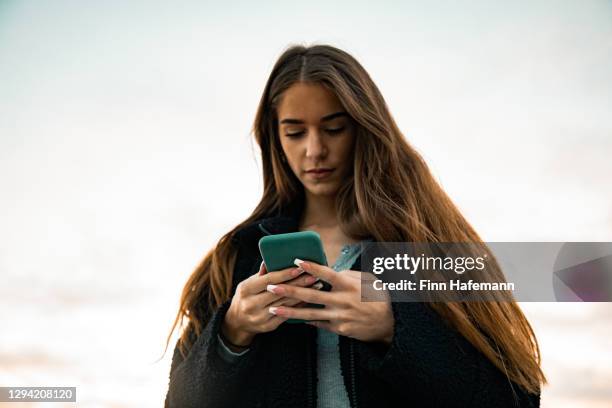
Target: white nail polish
[
  {"x": 270, "y": 288},
  {"x": 317, "y": 285},
  {"x": 272, "y": 309},
  {"x": 298, "y": 262}
]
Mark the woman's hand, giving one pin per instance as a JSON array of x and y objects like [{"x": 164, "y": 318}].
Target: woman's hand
[
  {"x": 248, "y": 312},
  {"x": 344, "y": 312}
]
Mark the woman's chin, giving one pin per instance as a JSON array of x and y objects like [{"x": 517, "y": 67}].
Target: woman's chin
[{"x": 322, "y": 189}]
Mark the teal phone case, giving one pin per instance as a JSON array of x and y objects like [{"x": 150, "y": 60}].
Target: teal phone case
[{"x": 280, "y": 250}]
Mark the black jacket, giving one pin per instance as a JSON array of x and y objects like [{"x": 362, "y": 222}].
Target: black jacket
[{"x": 428, "y": 364}]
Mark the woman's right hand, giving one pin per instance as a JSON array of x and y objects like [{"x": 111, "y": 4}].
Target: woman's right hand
[{"x": 248, "y": 312}]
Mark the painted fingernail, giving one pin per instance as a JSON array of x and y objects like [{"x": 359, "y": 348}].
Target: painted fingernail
[
  {"x": 272, "y": 309},
  {"x": 317, "y": 285},
  {"x": 270, "y": 288},
  {"x": 298, "y": 262}
]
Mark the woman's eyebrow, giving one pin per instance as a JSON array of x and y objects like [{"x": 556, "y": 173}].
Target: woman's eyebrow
[{"x": 325, "y": 118}]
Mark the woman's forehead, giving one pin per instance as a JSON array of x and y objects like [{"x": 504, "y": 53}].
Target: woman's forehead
[{"x": 308, "y": 102}]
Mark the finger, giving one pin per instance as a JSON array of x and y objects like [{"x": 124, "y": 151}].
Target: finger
[
  {"x": 265, "y": 298},
  {"x": 305, "y": 279},
  {"x": 262, "y": 299},
  {"x": 321, "y": 271},
  {"x": 317, "y": 285},
  {"x": 283, "y": 275},
  {"x": 272, "y": 323},
  {"x": 304, "y": 313},
  {"x": 257, "y": 283},
  {"x": 286, "y": 302},
  {"x": 262, "y": 269},
  {"x": 309, "y": 295}
]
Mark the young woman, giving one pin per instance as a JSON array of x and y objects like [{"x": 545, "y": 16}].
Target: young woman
[{"x": 335, "y": 162}]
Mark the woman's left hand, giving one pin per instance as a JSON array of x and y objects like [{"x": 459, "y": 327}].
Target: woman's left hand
[{"x": 344, "y": 312}]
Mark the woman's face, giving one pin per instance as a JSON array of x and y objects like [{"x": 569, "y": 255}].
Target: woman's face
[{"x": 317, "y": 136}]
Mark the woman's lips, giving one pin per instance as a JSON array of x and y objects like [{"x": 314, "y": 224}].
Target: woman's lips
[{"x": 319, "y": 173}]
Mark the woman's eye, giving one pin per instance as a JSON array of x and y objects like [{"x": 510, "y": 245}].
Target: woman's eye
[
  {"x": 335, "y": 130},
  {"x": 294, "y": 134}
]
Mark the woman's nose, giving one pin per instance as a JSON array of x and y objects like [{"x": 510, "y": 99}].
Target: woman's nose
[{"x": 315, "y": 146}]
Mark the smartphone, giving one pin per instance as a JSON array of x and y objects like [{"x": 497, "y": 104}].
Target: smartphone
[{"x": 280, "y": 250}]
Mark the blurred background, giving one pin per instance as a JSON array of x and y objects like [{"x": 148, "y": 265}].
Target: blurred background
[{"x": 125, "y": 154}]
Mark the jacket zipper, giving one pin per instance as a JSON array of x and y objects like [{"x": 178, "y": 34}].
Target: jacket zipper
[
  {"x": 309, "y": 386},
  {"x": 353, "y": 395}
]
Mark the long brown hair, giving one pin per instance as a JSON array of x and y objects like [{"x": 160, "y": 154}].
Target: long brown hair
[{"x": 391, "y": 196}]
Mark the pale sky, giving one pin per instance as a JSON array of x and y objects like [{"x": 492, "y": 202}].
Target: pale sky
[{"x": 125, "y": 153}]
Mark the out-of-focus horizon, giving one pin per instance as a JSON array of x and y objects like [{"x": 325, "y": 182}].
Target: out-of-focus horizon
[{"x": 125, "y": 153}]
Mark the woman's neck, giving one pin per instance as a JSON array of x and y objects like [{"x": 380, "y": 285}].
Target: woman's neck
[
  {"x": 320, "y": 216},
  {"x": 319, "y": 211}
]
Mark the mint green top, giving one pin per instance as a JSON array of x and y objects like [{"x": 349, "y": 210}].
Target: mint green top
[{"x": 331, "y": 391}]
